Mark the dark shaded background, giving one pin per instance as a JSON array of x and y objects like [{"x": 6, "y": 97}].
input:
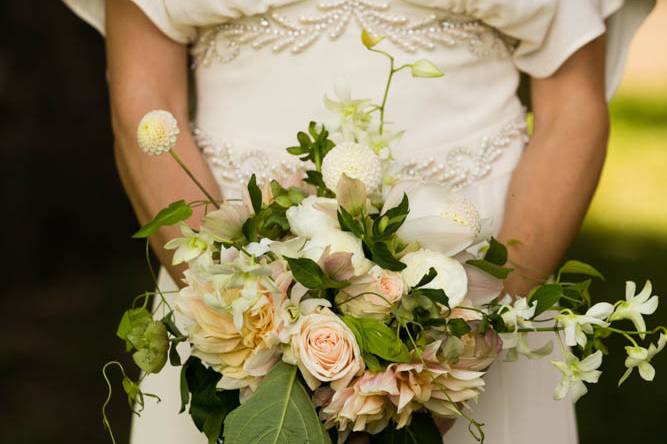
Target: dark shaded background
[{"x": 71, "y": 269}]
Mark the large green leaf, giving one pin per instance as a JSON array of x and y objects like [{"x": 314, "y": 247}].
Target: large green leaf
[
  {"x": 173, "y": 214},
  {"x": 280, "y": 411}
]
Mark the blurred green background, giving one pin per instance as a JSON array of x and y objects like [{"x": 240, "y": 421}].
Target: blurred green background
[{"x": 70, "y": 269}]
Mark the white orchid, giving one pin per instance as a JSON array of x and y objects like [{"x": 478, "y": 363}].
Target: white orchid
[
  {"x": 518, "y": 313},
  {"x": 635, "y": 306},
  {"x": 293, "y": 308},
  {"x": 576, "y": 327},
  {"x": 641, "y": 357},
  {"x": 260, "y": 248},
  {"x": 188, "y": 247},
  {"x": 249, "y": 279},
  {"x": 575, "y": 372},
  {"x": 516, "y": 343},
  {"x": 352, "y": 116}
]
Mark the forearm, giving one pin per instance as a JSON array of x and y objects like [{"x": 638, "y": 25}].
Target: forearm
[
  {"x": 148, "y": 71},
  {"x": 554, "y": 182},
  {"x": 548, "y": 196},
  {"x": 152, "y": 183}
]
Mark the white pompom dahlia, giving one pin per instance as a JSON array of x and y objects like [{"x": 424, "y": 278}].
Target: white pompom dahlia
[
  {"x": 356, "y": 161},
  {"x": 157, "y": 132}
]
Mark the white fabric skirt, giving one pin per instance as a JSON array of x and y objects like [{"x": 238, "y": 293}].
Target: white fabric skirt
[{"x": 517, "y": 406}]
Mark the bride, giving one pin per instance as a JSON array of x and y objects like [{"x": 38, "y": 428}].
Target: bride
[{"x": 259, "y": 68}]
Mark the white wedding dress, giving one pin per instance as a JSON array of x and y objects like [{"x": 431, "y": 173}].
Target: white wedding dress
[{"x": 261, "y": 68}]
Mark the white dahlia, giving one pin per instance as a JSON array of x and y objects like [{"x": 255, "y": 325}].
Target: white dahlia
[
  {"x": 356, "y": 161},
  {"x": 157, "y": 132}
]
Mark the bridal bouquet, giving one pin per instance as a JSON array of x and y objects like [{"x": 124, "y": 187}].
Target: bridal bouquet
[{"x": 344, "y": 300}]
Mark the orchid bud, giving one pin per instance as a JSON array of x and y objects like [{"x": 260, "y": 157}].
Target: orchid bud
[{"x": 425, "y": 68}]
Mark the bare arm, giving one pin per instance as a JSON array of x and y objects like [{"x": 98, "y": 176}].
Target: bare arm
[
  {"x": 148, "y": 71},
  {"x": 553, "y": 184}
]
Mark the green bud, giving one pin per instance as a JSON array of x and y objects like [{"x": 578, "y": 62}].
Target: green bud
[
  {"x": 152, "y": 354},
  {"x": 425, "y": 68},
  {"x": 368, "y": 40}
]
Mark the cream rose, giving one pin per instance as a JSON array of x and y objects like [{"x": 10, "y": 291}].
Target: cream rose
[
  {"x": 308, "y": 219},
  {"x": 451, "y": 275},
  {"x": 372, "y": 295},
  {"x": 326, "y": 351}
]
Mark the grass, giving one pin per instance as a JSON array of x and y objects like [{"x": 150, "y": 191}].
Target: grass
[{"x": 631, "y": 197}]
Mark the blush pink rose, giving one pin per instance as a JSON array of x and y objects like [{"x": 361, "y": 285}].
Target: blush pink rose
[{"x": 326, "y": 350}]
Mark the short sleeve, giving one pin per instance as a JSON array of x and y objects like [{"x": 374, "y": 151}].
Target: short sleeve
[
  {"x": 577, "y": 22},
  {"x": 159, "y": 12}
]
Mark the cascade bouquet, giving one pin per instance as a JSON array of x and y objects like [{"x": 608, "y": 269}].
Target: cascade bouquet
[{"x": 344, "y": 300}]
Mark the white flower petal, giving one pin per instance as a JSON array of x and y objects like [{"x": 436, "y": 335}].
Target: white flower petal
[{"x": 646, "y": 371}]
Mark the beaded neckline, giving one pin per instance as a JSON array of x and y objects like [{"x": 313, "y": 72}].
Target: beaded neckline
[
  {"x": 459, "y": 167},
  {"x": 424, "y": 29}
]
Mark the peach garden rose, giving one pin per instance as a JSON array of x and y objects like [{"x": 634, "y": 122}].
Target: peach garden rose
[{"x": 325, "y": 350}]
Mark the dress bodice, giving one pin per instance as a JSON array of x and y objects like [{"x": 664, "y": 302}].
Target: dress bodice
[{"x": 262, "y": 68}]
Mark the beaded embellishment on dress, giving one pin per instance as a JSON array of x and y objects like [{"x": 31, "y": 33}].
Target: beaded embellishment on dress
[
  {"x": 462, "y": 165},
  {"x": 421, "y": 30}
]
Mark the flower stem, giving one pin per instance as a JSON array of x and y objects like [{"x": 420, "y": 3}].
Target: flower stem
[
  {"x": 194, "y": 179},
  {"x": 392, "y": 71}
]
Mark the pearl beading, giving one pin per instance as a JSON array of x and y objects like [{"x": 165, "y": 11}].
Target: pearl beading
[
  {"x": 463, "y": 165},
  {"x": 233, "y": 165},
  {"x": 222, "y": 43}
]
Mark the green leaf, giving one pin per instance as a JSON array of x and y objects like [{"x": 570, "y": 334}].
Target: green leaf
[
  {"x": 496, "y": 253},
  {"x": 209, "y": 406},
  {"x": 546, "y": 296},
  {"x": 494, "y": 270},
  {"x": 173, "y": 214},
  {"x": 422, "y": 430},
  {"x": 577, "y": 267},
  {"x": 381, "y": 340},
  {"x": 255, "y": 194},
  {"x": 306, "y": 272},
  {"x": 132, "y": 326},
  {"x": 458, "y": 327},
  {"x": 184, "y": 389},
  {"x": 372, "y": 363},
  {"x": 434, "y": 294},
  {"x": 174, "y": 357},
  {"x": 381, "y": 255},
  {"x": 427, "y": 278},
  {"x": 309, "y": 274},
  {"x": 280, "y": 411},
  {"x": 355, "y": 326},
  {"x": 349, "y": 223},
  {"x": 392, "y": 219}
]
